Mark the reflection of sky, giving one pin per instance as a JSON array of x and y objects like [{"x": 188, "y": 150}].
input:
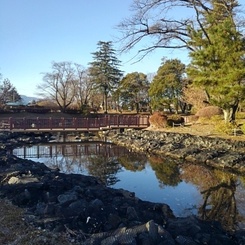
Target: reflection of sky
[{"x": 183, "y": 198}]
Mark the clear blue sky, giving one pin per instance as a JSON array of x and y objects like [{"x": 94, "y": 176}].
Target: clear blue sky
[{"x": 34, "y": 33}]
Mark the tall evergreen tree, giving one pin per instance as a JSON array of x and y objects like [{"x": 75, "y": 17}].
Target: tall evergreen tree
[
  {"x": 8, "y": 92},
  {"x": 104, "y": 70},
  {"x": 217, "y": 60}
]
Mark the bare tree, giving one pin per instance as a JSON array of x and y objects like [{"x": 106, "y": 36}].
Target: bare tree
[
  {"x": 195, "y": 97},
  {"x": 84, "y": 87},
  {"x": 156, "y": 22},
  {"x": 60, "y": 84}
]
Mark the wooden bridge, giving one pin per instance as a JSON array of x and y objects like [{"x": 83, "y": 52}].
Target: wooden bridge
[{"x": 88, "y": 124}]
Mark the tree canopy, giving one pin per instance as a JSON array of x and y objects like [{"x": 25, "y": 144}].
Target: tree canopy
[
  {"x": 167, "y": 86},
  {"x": 133, "y": 90}
]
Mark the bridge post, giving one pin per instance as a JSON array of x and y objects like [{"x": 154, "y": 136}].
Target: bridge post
[
  {"x": 63, "y": 123},
  {"x": 50, "y": 123},
  {"x": 117, "y": 121},
  {"x": 10, "y": 123},
  {"x": 108, "y": 121},
  {"x": 37, "y": 123},
  {"x": 87, "y": 123},
  {"x": 75, "y": 122},
  {"x": 24, "y": 123}
]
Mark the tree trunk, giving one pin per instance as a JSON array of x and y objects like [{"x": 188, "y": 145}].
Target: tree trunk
[
  {"x": 106, "y": 99},
  {"x": 230, "y": 113}
]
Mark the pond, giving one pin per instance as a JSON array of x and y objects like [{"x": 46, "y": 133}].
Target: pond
[{"x": 187, "y": 188}]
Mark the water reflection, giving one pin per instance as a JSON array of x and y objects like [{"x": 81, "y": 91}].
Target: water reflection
[
  {"x": 167, "y": 171},
  {"x": 187, "y": 188},
  {"x": 104, "y": 168},
  {"x": 220, "y": 195}
]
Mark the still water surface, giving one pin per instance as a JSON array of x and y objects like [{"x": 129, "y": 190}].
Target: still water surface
[{"x": 186, "y": 188}]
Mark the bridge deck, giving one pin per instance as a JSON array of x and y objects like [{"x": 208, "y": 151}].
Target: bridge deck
[{"x": 105, "y": 122}]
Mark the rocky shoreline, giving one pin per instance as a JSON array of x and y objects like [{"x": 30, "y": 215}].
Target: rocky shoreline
[
  {"x": 94, "y": 214},
  {"x": 219, "y": 153}
]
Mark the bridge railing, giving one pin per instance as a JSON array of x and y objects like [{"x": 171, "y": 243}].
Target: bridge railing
[{"x": 86, "y": 123}]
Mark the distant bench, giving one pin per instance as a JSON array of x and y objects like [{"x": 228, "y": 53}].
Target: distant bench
[{"x": 178, "y": 124}]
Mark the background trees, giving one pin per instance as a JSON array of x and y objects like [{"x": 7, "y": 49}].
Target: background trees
[
  {"x": 8, "y": 92},
  {"x": 210, "y": 33},
  {"x": 104, "y": 70},
  {"x": 133, "y": 91},
  {"x": 167, "y": 86},
  {"x": 84, "y": 89}
]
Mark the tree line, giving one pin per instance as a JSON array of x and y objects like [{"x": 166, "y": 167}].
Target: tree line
[{"x": 211, "y": 32}]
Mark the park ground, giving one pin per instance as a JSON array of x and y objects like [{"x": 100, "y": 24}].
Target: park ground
[
  {"x": 202, "y": 127},
  {"x": 14, "y": 229}
]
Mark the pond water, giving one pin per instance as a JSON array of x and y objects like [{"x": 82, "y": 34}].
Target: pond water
[{"x": 187, "y": 188}]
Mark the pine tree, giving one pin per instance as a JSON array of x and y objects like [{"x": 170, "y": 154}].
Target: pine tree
[
  {"x": 104, "y": 70},
  {"x": 217, "y": 60}
]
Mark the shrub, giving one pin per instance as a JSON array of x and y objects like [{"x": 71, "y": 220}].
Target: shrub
[
  {"x": 37, "y": 110},
  {"x": 73, "y": 111},
  {"x": 209, "y": 111},
  {"x": 158, "y": 120}
]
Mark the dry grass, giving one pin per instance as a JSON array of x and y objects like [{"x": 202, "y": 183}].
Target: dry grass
[
  {"x": 15, "y": 231},
  {"x": 205, "y": 127}
]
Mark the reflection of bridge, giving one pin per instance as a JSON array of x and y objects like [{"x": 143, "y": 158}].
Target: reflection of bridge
[
  {"x": 71, "y": 149},
  {"x": 101, "y": 122}
]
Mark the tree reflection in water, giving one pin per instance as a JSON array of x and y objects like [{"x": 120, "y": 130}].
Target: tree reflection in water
[
  {"x": 104, "y": 168},
  {"x": 133, "y": 162},
  {"x": 220, "y": 203},
  {"x": 166, "y": 170},
  {"x": 218, "y": 189}
]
